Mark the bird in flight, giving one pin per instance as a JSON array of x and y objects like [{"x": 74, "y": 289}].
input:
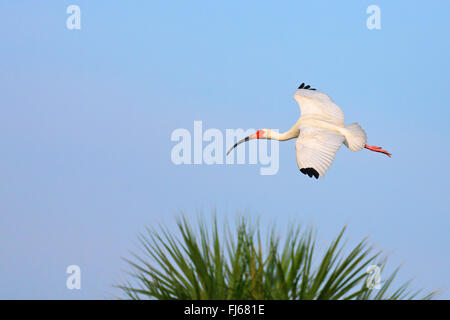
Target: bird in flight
[{"x": 320, "y": 132}]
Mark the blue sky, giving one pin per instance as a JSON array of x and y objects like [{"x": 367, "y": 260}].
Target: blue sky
[{"x": 86, "y": 117}]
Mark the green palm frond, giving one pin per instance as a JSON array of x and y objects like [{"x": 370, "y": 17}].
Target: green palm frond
[{"x": 233, "y": 263}]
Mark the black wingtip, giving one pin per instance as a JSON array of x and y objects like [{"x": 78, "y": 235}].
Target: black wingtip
[
  {"x": 310, "y": 172},
  {"x": 307, "y": 87}
]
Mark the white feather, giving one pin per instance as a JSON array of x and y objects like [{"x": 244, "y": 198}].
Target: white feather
[
  {"x": 317, "y": 105},
  {"x": 355, "y": 137},
  {"x": 317, "y": 147}
]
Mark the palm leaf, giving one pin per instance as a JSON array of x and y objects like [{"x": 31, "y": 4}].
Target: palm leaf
[{"x": 203, "y": 262}]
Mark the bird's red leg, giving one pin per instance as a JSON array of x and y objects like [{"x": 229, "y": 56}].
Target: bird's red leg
[{"x": 377, "y": 149}]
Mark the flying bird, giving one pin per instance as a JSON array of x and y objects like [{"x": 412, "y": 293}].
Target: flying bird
[{"x": 320, "y": 132}]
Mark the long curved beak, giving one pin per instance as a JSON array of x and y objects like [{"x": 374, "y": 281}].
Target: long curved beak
[{"x": 250, "y": 137}]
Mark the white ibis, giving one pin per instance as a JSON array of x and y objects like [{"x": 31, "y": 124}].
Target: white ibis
[{"x": 320, "y": 132}]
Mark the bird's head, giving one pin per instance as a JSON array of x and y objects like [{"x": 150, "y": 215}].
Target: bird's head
[{"x": 260, "y": 134}]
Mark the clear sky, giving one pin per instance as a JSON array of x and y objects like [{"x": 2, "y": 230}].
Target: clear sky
[{"x": 86, "y": 117}]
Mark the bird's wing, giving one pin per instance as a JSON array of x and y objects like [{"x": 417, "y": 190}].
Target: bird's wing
[
  {"x": 316, "y": 148},
  {"x": 318, "y": 105}
]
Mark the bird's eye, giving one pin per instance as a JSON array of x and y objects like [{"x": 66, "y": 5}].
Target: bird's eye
[{"x": 260, "y": 134}]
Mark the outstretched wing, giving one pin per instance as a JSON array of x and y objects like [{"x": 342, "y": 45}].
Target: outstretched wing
[
  {"x": 318, "y": 105},
  {"x": 316, "y": 148}
]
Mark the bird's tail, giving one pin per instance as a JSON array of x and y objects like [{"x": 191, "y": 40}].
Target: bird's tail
[{"x": 355, "y": 137}]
